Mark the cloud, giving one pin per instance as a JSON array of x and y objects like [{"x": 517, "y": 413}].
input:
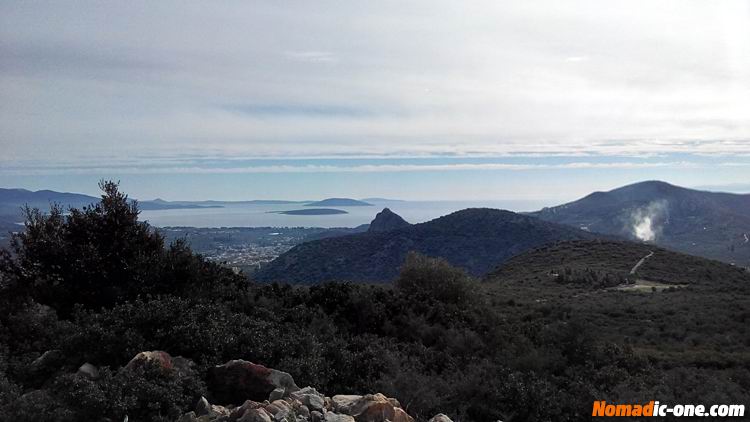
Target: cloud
[
  {"x": 176, "y": 167},
  {"x": 312, "y": 56},
  {"x": 373, "y": 79}
]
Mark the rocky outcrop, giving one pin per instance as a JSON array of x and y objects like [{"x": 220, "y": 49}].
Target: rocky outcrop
[
  {"x": 387, "y": 220},
  {"x": 240, "y": 380},
  {"x": 238, "y": 385}
]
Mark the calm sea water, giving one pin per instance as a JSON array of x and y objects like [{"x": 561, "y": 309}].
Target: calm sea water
[{"x": 244, "y": 215}]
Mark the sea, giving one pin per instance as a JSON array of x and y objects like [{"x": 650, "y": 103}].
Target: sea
[{"x": 265, "y": 215}]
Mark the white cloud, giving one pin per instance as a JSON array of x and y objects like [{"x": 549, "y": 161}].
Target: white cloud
[
  {"x": 174, "y": 166},
  {"x": 373, "y": 78}
]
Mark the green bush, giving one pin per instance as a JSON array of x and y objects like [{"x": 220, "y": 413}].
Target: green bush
[{"x": 433, "y": 278}]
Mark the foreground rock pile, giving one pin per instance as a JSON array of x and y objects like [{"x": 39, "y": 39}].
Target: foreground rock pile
[
  {"x": 250, "y": 392},
  {"x": 268, "y": 395}
]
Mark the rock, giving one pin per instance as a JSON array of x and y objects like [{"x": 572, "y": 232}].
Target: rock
[
  {"x": 203, "y": 407},
  {"x": 89, "y": 371},
  {"x": 277, "y": 394},
  {"x": 255, "y": 415},
  {"x": 240, "y": 380},
  {"x": 162, "y": 359},
  {"x": 303, "y": 411},
  {"x": 387, "y": 220},
  {"x": 279, "y": 409},
  {"x": 311, "y": 398},
  {"x": 238, "y": 412},
  {"x": 371, "y": 408},
  {"x": 188, "y": 417},
  {"x": 343, "y": 403},
  {"x": 316, "y": 416},
  {"x": 440, "y": 418},
  {"x": 338, "y": 417},
  {"x": 48, "y": 360}
]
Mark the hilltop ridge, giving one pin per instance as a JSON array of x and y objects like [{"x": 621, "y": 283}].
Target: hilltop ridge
[
  {"x": 476, "y": 239},
  {"x": 709, "y": 224}
]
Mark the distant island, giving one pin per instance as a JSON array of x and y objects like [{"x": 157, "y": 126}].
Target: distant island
[
  {"x": 339, "y": 202},
  {"x": 312, "y": 211}
]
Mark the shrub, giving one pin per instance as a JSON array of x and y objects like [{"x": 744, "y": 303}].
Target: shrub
[{"x": 433, "y": 278}]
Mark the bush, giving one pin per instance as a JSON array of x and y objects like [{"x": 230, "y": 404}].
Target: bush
[{"x": 433, "y": 278}]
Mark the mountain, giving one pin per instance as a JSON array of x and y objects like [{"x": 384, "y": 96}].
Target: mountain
[
  {"x": 12, "y": 200},
  {"x": 710, "y": 224},
  {"x": 476, "y": 239},
  {"x": 339, "y": 202},
  {"x": 387, "y": 220}
]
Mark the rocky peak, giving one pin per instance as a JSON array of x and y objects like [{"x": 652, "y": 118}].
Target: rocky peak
[{"x": 387, "y": 220}]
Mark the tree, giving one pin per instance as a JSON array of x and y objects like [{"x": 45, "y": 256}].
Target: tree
[
  {"x": 96, "y": 256},
  {"x": 435, "y": 278}
]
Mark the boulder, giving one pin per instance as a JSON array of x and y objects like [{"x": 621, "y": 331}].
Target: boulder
[
  {"x": 440, "y": 418},
  {"x": 204, "y": 408},
  {"x": 316, "y": 416},
  {"x": 343, "y": 403},
  {"x": 188, "y": 417},
  {"x": 311, "y": 398},
  {"x": 255, "y": 415},
  {"x": 277, "y": 394},
  {"x": 88, "y": 370},
  {"x": 371, "y": 408},
  {"x": 303, "y": 411},
  {"x": 279, "y": 410},
  {"x": 338, "y": 417},
  {"x": 156, "y": 357},
  {"x": 240, "y": 411},
  {"x": 240, "y": 380}
]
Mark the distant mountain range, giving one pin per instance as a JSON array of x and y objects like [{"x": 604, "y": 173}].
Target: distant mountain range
[
  {"x": 476, "y": 239},
  {"x": 710, "y": 224},
  {"x": 11, "y": 201}
]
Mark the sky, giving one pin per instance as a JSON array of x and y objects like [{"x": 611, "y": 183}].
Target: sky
[{"x": 423, "y": 99}]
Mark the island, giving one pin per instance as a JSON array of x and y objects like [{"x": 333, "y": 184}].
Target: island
[
  {"x": 312, "y": 211},
  {"x": 339, "y": 202}
]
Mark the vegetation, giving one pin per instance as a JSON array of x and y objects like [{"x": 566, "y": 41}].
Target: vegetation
[{"x": 98, "y": 286}]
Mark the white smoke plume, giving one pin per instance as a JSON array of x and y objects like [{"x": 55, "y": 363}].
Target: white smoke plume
[{"x": 647, "y": 221}]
